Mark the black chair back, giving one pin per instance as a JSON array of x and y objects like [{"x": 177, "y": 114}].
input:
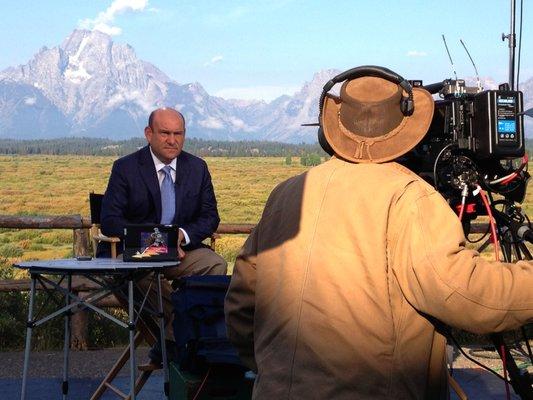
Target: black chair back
[{"x": 95, "y": 203}]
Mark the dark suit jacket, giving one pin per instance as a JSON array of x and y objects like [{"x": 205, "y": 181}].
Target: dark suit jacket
[{"x": 133, "y": 196}]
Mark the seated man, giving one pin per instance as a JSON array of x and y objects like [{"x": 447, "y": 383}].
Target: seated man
[{"x": 160, "y": 183}]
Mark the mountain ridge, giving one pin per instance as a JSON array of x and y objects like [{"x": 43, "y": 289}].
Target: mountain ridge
[{"x": 91, "y": 86}]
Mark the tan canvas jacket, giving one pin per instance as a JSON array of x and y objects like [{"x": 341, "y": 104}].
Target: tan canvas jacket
[{"x": 332, "y": 293}]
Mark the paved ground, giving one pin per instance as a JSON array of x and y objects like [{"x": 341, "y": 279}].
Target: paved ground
[{"x": 87, "y": 370}]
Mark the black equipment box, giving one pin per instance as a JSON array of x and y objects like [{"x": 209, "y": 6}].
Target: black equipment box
[{"x": 497, "y": 127}]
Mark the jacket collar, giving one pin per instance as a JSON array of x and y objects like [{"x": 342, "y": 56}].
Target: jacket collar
[{"x": 149, "y": 176}]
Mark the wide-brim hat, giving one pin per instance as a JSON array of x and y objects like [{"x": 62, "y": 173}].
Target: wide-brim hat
[{"x": 366, "y": 124}]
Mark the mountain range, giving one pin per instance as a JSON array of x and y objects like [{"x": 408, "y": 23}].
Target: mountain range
[{"x": 91, "y": 86}]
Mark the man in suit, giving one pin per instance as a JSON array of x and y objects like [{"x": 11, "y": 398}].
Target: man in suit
[{"x": 160, "y": 183}]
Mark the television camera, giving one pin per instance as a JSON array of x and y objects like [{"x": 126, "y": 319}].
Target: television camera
[
  {"x": 474, "y": 155},
  {"x": 475, "y": 141}
]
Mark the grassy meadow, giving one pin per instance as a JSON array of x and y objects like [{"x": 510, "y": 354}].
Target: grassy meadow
[{"x": 55, "y": 185}]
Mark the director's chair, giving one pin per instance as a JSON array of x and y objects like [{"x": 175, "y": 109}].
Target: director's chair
[
  {"x": 95, "y": 204},
  {"x": 148, "y": 331}
]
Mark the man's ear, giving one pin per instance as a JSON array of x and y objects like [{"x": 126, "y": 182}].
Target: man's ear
[{"x": 148, "y": 133}]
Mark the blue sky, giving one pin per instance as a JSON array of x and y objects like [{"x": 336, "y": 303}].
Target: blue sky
[{"x": 261, "y": 49}]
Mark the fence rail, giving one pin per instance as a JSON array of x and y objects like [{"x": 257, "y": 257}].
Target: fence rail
[{"x": 80, "y": 226}]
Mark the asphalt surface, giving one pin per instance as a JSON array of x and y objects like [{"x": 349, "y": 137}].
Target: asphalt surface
[{"x": 88, "y": 368}]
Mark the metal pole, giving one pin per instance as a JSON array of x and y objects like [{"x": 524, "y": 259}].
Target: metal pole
[
  {"x": 66, "y": 344},
  {"x": 132, "y": 340},
  {"x": 512, "y": 45},
  {"x": 162, "y": 333},
  {"x": 29, "y": 326}
]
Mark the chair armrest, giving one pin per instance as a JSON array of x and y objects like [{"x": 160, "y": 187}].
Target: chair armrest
[{"x": 109, "y": 239}]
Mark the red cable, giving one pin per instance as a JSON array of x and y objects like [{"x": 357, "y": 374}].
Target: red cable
[
  {"x": 504, "y": 362},
  {"x": 461, "y": 212},
  {"x": 492, "y": 225},
  {"x": 510, "y": 179},
  {"x": 515, "y": 174},
  {"x": 497, "y": 256},
  {"x": 202, "y": 384}
]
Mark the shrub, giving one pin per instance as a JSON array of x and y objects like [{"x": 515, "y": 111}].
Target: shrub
[{"x": 10, "y": 250}]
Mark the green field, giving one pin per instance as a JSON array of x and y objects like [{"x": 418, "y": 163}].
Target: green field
[{"x": 55, "y": 185}]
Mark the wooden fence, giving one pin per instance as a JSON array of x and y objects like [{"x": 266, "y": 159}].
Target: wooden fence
[{"x": 81, "y": 246}]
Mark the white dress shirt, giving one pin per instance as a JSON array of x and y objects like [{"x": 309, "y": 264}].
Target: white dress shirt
[{"x": 159, "y": 165}]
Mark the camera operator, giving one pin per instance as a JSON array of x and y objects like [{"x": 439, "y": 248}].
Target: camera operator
[{"x": 336, "y": 293}]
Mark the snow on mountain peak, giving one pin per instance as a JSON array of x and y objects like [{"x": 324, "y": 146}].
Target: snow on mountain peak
[{"x": 91, "y": 86}]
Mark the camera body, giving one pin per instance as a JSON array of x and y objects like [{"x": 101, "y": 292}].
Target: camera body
[{"x": 473, "y": 139}]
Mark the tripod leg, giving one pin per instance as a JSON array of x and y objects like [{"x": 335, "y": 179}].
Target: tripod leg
[
  {"x": 28, "y": 338},
  {"x": 520, "y": 382},
  {"x": 456, "y": 388},
  {"x": 132, "y": 340},
  {"x": 526, "y": 251},
  {"x": 66, "y": 344},
  {"x": 526, "y": 339},
  {"x": 162, "y": 333}
]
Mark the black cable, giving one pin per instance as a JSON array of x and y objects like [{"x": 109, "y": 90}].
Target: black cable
[
  {"x": 528, "y": 347},
  {"x": 473, "y": 360},
  {"x": 481, "y": 238}
]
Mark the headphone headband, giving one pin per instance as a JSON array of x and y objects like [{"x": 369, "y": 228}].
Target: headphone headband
[{"x": 407, "y": 104}]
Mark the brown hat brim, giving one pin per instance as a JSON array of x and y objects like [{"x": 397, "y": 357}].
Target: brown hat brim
[{"x": 357, "y": 148}]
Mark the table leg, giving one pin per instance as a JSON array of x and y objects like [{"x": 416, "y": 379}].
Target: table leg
[
  {"x": 27, "y": 348},
  {"x": 66, "y": 344},
  {"x": 131, "y": 324},
  {"x": 162, "y": 332}
]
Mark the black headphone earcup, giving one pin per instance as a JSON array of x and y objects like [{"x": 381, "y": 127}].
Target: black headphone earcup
[
  {"x": 407, "y": 106},
  {"x": 322, "y": 141}
]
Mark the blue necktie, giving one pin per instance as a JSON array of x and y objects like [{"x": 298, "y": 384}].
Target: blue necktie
[{"x": 168, "y": 197}]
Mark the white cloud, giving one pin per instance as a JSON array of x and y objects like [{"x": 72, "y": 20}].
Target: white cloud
[
  {"x": 30, "y": 101},
  {"x": 104, "y": 21},
  {"x": 416, "y": 53},
  {"x": 237, "y": 123},
  {"x": 214, "y": 60},
  {"x": 123, "y": 97},
  {"x": 265, "y": 92},
  {"x": 211, "y": 123}
]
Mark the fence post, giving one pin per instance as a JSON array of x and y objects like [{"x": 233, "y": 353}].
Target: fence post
[
  {"x": 82, "y": 246},
  {"x": 80, "y": 319}
]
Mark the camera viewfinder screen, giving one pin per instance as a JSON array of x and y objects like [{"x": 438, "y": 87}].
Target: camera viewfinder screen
[{"x": 506, "y": 126}]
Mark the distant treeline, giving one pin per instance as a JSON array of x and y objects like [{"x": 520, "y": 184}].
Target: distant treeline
[{"x": 200, "y": 147}]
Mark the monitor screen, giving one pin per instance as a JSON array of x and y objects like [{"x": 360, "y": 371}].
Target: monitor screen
[{"x": 506, "y": 126}]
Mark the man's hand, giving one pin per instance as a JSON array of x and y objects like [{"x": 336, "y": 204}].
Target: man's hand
[{"x": 181, "y": 238}]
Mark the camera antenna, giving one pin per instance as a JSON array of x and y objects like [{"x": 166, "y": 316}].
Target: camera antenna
[
  {"x": 450, "y": 57},
  {"x": 475, "y": 68}
]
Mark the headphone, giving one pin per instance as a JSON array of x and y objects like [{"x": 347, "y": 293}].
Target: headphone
[{"x": 407, "y": 105}]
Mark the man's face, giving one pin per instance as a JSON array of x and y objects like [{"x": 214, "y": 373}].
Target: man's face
[{"x": 167, "y": 134}]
